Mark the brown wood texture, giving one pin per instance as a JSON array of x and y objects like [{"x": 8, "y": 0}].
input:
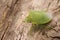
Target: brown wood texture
[{"x": 14, "y": 12}]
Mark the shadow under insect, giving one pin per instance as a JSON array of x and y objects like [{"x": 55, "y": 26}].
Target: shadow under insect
[
  {"x": 41, "y": 28},
  {"x": 36, "y": 28}
]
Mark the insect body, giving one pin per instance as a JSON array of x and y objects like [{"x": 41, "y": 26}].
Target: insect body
[{"x": 38, "y": 17}]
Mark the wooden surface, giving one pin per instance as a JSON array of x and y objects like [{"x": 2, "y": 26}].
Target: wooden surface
[{"x": 14, "y": 12}]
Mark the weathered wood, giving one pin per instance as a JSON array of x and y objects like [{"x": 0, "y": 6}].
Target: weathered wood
[{"x": 14, "y": 12}]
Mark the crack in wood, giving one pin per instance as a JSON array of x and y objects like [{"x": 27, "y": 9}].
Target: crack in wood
[
  {"x": 57, "y": 9},
  {"x": 4, "y": 33},
  {"x": 58, "y": 1},
  {"x": 16, "y": 2},
  {"x": 9, "y": 13},
  {"x": 56, "y": 37},
  {"x": 49, "y": 4},
  {"x": 21, "y": 33}
]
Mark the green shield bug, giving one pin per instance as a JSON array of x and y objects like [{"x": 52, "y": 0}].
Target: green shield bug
[{"x": 38, "y": 17}]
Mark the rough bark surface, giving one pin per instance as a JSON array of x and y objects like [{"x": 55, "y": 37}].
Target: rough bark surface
[{"x": 14, "y": 12}]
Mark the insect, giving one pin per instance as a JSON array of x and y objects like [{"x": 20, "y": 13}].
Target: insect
[
  {"x": 40, "y": 21},
  {"x": 38, "y": 17}
]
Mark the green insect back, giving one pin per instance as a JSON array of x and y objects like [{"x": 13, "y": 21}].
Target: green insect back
[{"x": 38, "y": 17}]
